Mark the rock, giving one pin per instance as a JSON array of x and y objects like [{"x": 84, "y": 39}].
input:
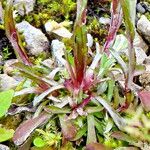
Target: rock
[
  {"x": 58, "y": 48},
  {"x": 8, "y": 68},
  {"x": 58, "y": 29},
  {"x": 140, "y": 55},
  {"x": 48, "y": 63},
  {"x": 145, "y": 80},
  {"x": 140, "y": 8},
  {"x": 143, "y": 26},
  {"x": 4, "y": 147},
  {"x": 24, "y": 6},
  {"x": 1, "y": 13},
  {"x": 0, "y": 59},
  {"x": 36, "y": 41},
  {"x": 139, "y": 42},
  {"x": 90, "y": 40},
  {"x": 7, "y": 82},
  {"x": 104, "y": 20},
  {"x": 145, "y": 77},
  {"x": 146, "y": 6}
]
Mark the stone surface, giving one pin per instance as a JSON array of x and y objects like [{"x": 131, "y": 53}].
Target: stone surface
[
  {"x": 4, "y": 147},
  {"x": 139, "y": 42},
  {"x": 104, "y": 20},
  {"x": 0, "y": 59},
  {"x": 48, "y": 63},
  {"x": 58, "y": 48},
  {"x": 7, "y": 82},
  {"x": 140, "y": 8},
  {"x": 145, "y": 80},
  {"x": 58, "y": 29},
  {"x": 36, "y": 41},
  {"x": 1, "y": 13},
  {"x": 24, "y": 6},
  {"x": 143, "y": 26},
  {"x": 140, "y": 55},
  {"x": 90, "y": 40}
]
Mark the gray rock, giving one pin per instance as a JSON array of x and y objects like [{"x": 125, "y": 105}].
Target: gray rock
[
  {"x": 58, "y": 48},
  {"x": 0, "y": 59},
  {"x": 36, "y": 41},
  {"x": 104, "y": 20},
  {"x": 7, "y": 82},
  {"x": 1, "y": 13},
  {"x": 90, "y": 40},
  {"x": 4, "y": 147},
  {"x": 24, "y": 6},
  {"x": 57, "y": 28},
  {"x": 139, "y": 42},
  {"x": 143, "y": 26},
  {"x": 48, "y": 63},
  {"x": 140, "y": 8},
  {"x": 140, "y": 55}
]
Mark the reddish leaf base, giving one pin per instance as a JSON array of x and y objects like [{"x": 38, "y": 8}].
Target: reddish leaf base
[{"x": 145, "y": 99}]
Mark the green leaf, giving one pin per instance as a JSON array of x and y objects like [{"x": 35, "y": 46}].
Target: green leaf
[
  {"x": 57, "y": 110},
  {"x": 6, "y": 134},
  {"x": 99, "y": 126},
  {"x": 32, "y": 74},
  {"x": 93, "y": 109},
  {"x": 127, "y": 18},
  {"x": 91, "y": 134},
  {"x": 111, "y": 85},
  {"x": 106, "y": 63},
  {"x": 5, "y": 101},
  {"x": 119, "y": 60},
  {"x": 39, "y": 142},
  {"x": 80, "y": 133},
  {"x": 124, "y": 137}
]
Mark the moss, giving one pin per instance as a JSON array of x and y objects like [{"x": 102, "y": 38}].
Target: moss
[
  {"x": 51, "y": 10},
  {"x": 97, "y": 30}
]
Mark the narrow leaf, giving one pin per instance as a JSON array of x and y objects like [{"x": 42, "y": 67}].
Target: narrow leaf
[
  {"x": 27, "y": 127},
  {"x": 57, "y": 110},
  {"x": 111, "y": 85},
  {"x": 13, "y": 34},
  {"x": 29, "y": 72},
  {"x": 120, "y": 61},
  {"x": 39, "y": 98},
  {"x": 125, "y": 4},
  {"x": 80, "y": 40},
  {"x": 119, "y": 121},
  {"x": 91, "y": 134},
  {"x": 122, "y": 136}
]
